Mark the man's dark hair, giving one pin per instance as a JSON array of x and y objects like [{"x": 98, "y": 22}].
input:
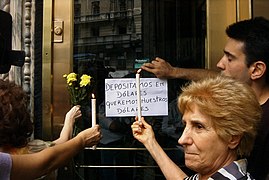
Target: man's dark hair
[{"x": 254, "y": 33}]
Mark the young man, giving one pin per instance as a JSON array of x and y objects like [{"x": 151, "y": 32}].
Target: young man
[{"x": 246, "y": 58}]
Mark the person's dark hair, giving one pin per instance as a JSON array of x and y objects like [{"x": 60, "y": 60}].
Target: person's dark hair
[
  {"x": 15, "y": 123},
  {"x": 254, "y": 33}
]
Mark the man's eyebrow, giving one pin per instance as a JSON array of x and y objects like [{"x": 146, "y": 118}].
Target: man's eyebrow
[{"x": 229, "y": 54}]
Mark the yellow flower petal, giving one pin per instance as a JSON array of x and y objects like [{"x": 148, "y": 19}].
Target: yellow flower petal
[{"x": 85, "y": 80}]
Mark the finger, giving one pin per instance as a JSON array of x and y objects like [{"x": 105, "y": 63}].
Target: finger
[
  {"x": 144, "y": 123},
  {"x": 137, "y": 121},
  {"x": 154, "y": 62},
  {"x": 78, "y": 108},
  {"x": 136, "y": 127},
  {"x": 148, "y": 65},
  {"x": 75, "y": 107},
  {"x": 98, "y": 127},
  {"x": 159, "y": 59},
  {"x": 77, "y": 112},
  {"x": 77, "y": 116}
]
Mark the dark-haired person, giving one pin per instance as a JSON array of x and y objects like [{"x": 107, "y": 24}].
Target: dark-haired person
[
  {"x": 16, "y": 126},
  {"x": 32, "y": 166}
]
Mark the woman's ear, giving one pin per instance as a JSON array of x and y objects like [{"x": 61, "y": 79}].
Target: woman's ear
[
  {"x": 257, "y": 70},
  {"x": 234, "y": 141}
]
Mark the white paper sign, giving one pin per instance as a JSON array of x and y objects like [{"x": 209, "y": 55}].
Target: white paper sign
[{"x": 121, "y": 97}]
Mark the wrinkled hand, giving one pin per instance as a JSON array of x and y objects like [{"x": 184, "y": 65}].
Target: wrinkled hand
[
  {"x": 91, "y": 136},
  {"x": 159, "y": 67},
  {"x": 142, "y": 131}
]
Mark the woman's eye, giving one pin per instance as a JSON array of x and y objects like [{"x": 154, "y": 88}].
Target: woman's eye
[{"x": 199, "y": 126}]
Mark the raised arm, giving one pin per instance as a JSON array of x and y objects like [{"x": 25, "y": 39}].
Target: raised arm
[
  {"x": 70, "y": 118},
  {"x": 31, "y": 166},
  {"x": 162, "y": 69},
  {"x": 143, "y": 132}
]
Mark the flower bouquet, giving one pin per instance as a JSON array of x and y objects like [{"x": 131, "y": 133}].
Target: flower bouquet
[{"x": 79, "y": 88}]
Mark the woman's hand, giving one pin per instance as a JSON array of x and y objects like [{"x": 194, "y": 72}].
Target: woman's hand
[
  {"x": 142, "y": 131},
  {"x": 72, "y": 114},
  {"x": 70, "y": 118},
  {"x": 91, "y": 136}
]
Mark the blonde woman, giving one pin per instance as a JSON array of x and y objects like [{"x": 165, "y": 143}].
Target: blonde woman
[{"x": 221, "y": 117}]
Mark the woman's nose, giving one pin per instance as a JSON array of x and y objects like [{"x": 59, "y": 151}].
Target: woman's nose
[{"x": 185, "y": 137}]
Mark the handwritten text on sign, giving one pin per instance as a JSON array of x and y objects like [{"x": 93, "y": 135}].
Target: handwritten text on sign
[{"x": 121, "y": 97}]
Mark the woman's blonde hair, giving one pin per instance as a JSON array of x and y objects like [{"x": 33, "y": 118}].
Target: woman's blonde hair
[{"x": 232, "y": 106}]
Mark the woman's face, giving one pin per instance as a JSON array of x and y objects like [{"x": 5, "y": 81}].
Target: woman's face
[{"x": 205, "y": 152}]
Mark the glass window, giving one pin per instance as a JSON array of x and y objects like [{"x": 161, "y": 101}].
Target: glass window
[
  {"x": 95, "y": 7},
  {"x": 122, "y": 5},
  {"x": 77, "y": 9},
  {"x": 108, "y": 41},
  {"x": 94, "y": 31}
]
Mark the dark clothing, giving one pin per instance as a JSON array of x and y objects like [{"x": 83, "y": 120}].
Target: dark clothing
[{"x": 259, "y": 159}]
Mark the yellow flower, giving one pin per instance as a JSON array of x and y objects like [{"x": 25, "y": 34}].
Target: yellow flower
[
  {"x": 85, "y": 80},
  {"x": 70, "y": 78},
  {"x": 79, "y": 88}
]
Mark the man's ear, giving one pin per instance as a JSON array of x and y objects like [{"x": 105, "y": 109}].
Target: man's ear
[
  {"x": 234, "y": 141},
  {"x": 257, "y": 70}
]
